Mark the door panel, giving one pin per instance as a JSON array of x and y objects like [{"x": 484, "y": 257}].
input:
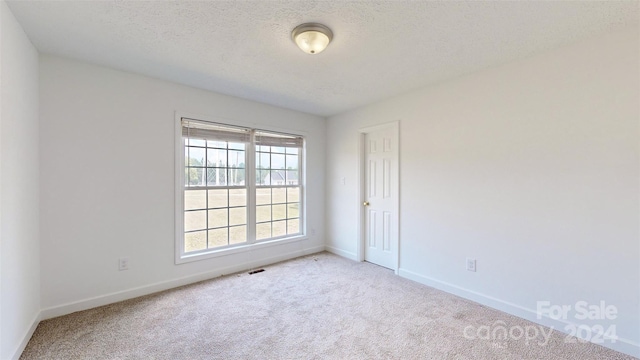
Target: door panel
[{"x": 380, "y": 173}]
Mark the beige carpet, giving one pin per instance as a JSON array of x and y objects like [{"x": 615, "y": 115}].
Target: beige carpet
[{"x": 316, "y": 307}]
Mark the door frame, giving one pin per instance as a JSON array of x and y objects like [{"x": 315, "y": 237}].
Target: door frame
[{"x": 395, "y": 191}]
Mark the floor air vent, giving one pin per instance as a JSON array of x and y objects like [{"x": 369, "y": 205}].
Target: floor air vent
[{"x": 256, "y": 271}]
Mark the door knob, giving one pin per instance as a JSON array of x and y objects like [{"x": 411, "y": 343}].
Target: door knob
[{"x": 366, "y": 203}]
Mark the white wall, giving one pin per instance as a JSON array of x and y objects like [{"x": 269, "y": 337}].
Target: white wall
[
  {"x": 19, "y": 205},
  {"x": 107, "y": 182},
  {"x": 532, "y": 168}
]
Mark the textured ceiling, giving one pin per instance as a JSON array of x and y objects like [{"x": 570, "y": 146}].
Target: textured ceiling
[{"x": 244, "y": 48}]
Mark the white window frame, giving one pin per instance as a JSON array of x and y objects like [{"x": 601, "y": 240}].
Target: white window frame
[{"x": 250, "y": 168}]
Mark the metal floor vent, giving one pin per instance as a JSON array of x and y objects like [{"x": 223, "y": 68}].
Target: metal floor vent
[{"x": 256, "y": 271}]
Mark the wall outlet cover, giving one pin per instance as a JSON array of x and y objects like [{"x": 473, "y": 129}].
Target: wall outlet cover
[
  {"x": 471, "y": 264},
  {"x": 123, "y": 264}
]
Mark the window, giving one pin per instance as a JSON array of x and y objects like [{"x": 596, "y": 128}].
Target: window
[
  {"x": 277, "y": 186},
  {"x": 237, "y": 186}
]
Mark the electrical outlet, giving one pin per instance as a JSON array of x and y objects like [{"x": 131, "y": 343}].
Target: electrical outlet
[
  {"x": 471, "y": 264},
  {"x": 312, "y": 232},
  {"x": 123, "y": 263}
]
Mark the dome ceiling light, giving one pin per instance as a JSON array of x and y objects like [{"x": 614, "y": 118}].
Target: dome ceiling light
[{"x": 312, "y": 38}]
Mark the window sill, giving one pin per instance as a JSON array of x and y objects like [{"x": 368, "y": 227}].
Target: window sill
[{"x": 187, "y": 258}]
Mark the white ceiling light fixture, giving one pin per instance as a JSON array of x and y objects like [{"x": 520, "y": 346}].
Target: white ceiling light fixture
[{"x": 312, "y": 38}]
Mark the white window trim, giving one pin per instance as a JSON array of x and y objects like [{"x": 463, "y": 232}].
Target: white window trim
[{"x": 180, "y": 256}]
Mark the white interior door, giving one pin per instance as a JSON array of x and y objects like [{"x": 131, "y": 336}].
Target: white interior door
[{"x": 380, "y": 196}]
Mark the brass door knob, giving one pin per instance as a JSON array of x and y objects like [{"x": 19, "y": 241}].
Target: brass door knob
[{"x": 366, "y": 203}]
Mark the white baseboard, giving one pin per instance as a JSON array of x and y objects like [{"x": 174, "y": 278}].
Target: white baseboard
[
  {"x": 26, "y": 337},
  {"x": 340, "y": 252},
  {"x": 111, "y": 298},
  {"x": 625, "y": 346}
]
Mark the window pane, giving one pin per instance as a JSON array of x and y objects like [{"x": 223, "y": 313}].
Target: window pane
[
  {"x": 263, "y": 213},
  {"x": 195, "y": 142},
  {"x": 195, "y": 241},
  {"x": 263, "y": 231},
  {"x": 237, "y": 197},
  {"x": 277, "y": 161},
  {"x": 217, "y": 218},
  {"x": 263, "y": 148},
  {"x": 237, "y": 234},
  {"x": 216, "y": 144},
  {"x": 279, "y": 212},
  {"x": 216, "y": 176},
  {"x": 279, "y": 195},
  {"x": 236, "y": 177},
  {"x": 293, "y": 210},
  {"x": 236, "y": 159},
  {"x": 263, "y": 196},
  {"x": 262, "y": 176},
  {"x": 279, "y": 228},
  {"x": 292, "y": 162},
  {"x": 217, "y": 237},
  {"x": 195, "y": 156},
  {"x": 292, "y": 177},
  {"x": 291, "y": 150},
  {"x": 195, "y": 199},
  {"x": 238, "y": 216},
  {"x": 262, "y": 161},
  {"x": 277, "y": 149},
  {"x": 236, "y": 146},
  {"x": 293, "y": 194},
  {"x": 216, "y": 158},
  {"x": 196, "y": 176},
  {"x": 195, "y": 220},
  {"x": 275, "y": 178},
  {"x": 293, "y": 226},
  {"x": 217, "y": 198}
]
